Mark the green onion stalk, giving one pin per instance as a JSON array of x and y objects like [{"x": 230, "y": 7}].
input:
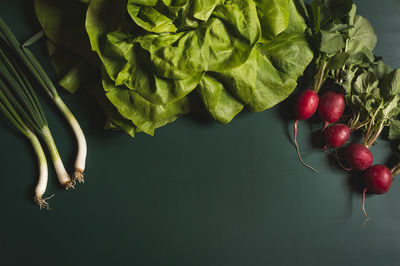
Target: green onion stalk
[
  {"x": 32, "y": 65},
  {"x": 10, "y": 113},
  {"x": 21, "y": 106}
]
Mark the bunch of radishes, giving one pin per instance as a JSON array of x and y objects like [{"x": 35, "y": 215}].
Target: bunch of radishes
[
  {"x": 343, "y": 44},
  {"x": 330, "y": 107}
]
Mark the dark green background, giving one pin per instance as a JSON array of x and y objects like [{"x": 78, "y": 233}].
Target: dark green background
[{"x": 197, "y": 193}]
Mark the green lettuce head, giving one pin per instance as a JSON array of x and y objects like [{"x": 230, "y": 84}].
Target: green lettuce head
[{"x": 150, "y": 61}]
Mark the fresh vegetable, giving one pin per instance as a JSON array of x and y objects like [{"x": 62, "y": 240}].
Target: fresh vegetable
[
  {"x": 158, "y": 60},
  {"x": 372, "y": 95},
  {"x": 394, "y": 137},
  {"x": 331, "y": 106},
  {"x": 326, "y": 33},
  {"x": 20, "y": 105},
  {"x": 329, "y": 23},
  {"x": 41, "y": 76},
  {"x": 378, "y": 180},
  {"x": 12, "y": 115},
  {"x": 358, "y": 156},
  {"x": 336, "y": 136},
  {"x": 20, "y": 72},
  {"x": 306, "y": 105},
  {"x": 32, "y": 66},
  {"x": 344, "y": 44},
  {"x": 371, "y": 87}
]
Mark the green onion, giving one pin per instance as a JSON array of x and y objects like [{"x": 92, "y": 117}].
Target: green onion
[
  {"x": 19, "y": 103},
  {"x": 35, "y": 69},
  {"x": 7, "y": 109}
]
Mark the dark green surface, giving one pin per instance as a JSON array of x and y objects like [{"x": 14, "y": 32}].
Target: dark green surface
[{"x": 197, "y": 193}]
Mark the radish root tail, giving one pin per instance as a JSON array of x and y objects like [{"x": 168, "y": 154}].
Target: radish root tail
[
  {"x": 336, "y": 156},
  {"x": 326, "y": 124},
  {"x": 363, "y": 207},
  {"x": 298, "y": 150}
]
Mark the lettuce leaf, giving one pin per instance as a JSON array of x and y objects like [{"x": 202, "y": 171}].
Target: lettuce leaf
[{"x": 149, "y": 62}]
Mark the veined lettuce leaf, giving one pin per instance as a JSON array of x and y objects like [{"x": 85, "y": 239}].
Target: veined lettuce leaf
[
  {"x": 160, "y": 58},
  {"x": 143, "y": 114},
  {"x": 273, "y": 16},
  {"x": 64, "y": 25},
  {"x": 271, "y": 72},
  {"x": 222, "y": 42}
]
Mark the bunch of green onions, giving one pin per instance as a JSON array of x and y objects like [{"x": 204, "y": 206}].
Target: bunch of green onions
[{"x": 20, "y": 72}]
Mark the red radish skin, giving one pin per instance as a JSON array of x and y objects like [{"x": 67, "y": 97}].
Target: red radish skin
[
  {"x": 306, "y": 104},
  {"x": 358, "y": 157},
  {"x": 336, "y": 135},
  {"x": 331, "y": 106},
  {"x": 378, "y": 180}
]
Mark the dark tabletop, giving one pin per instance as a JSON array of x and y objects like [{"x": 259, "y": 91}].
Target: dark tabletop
[{"x": 197, "y": 193}]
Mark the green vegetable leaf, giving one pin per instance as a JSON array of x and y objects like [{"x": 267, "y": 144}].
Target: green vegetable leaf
[
  {"x": 162, "y": 59},
  {"x": 391, "y": 108},
  {"x": 334, "y": 10},
  {"x": 394, "y": 130},
  {"x": 380, "y": 69},
  {"x": 338, "y": 61},
  {"x": 364, "y": 55},
  {"x": 365, "y": 83},
  {"x": 390, "y": 85},
  {"x": 360, "y": 36},
  {"x": 279, "y": 65},
  {"x": 149, "y": 18},
  {"x": 73, "y": 71},
  {"x": 63, "y": 21},
  {"x": 143, "y": 114},
  {"x": 273, "y": 16},
  {"x": 331, "y": 42},
  {"x": 219, "y": 103}
]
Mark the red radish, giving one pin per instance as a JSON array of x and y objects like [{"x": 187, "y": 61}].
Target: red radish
[
  {"x": 306, "y": 105},
  {"x": 337, "y": 135},
  {"x": 358, "y": 157},
  {"x": 331, "y": 106},
  {"x": 378, "y": 180}
]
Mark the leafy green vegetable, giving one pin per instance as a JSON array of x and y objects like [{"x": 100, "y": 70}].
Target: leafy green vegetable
[
  {"x": 361, "y": 36},
  {"x": 373, "y": 96},
  {"x": 331, "y": 42},
  {"x": 160, "y": 59},
  {"x": 344, "y": 43},
  {"x": 340, "y": 38},
  {"x": 394, "y": 130},
  {"x": 273, "y": 16}
]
